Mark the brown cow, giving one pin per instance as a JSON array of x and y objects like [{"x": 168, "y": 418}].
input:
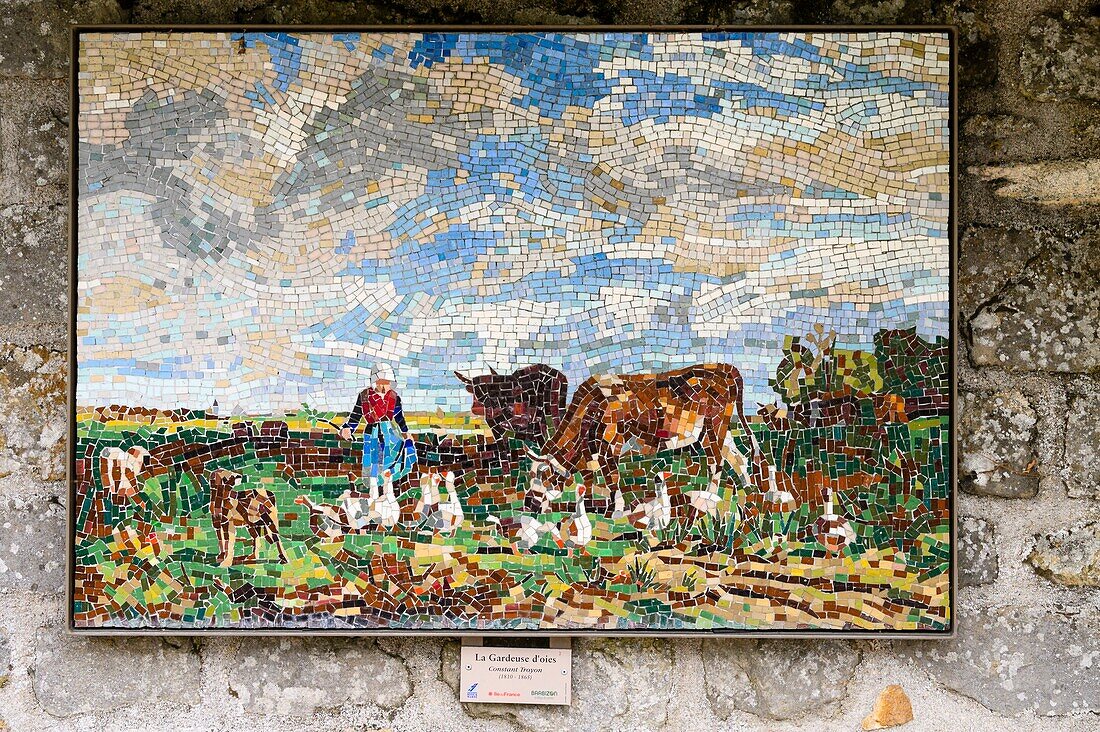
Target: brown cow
[
  {"x": 252, "y": 508},
  {"x": 612, "y": 416}
]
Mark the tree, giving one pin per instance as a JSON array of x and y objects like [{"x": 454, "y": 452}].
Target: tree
[
  {"x": 812, "y": 367},
  {"x": 911, "y": 366}
]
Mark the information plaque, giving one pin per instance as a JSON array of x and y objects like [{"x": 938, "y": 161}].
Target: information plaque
[{"x": 516, "y": 675}]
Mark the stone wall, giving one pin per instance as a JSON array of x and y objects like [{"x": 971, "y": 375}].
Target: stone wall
[{"x": 1028, "y": 652}]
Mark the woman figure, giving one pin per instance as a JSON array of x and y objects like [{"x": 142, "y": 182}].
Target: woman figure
[{"x": 385, "y": 433}]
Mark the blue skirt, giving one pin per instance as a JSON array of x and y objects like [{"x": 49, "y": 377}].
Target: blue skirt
[{"x": 385, "y": 449}]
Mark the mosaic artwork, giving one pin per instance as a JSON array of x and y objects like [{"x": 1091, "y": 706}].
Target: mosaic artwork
[{"x": 513, "y": 331}]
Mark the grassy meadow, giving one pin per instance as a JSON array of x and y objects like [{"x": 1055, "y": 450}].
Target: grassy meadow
[{"x": 152, "y": 562}]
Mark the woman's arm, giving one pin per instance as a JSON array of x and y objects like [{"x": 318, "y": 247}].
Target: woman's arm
[
  {"x": 357, "y": 412},
  {"x": 399, "y": 415}
]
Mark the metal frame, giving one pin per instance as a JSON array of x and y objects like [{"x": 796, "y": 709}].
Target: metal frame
[{"x": 74, "y": 141}]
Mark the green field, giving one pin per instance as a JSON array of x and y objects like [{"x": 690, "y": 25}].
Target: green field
[{"x": 152, "y": 561}]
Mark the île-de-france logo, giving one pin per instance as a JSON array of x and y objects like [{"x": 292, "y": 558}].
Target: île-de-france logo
[{"x": 471, "y": 693}]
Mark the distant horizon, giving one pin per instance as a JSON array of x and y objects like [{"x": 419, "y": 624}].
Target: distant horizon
[{"x": 750, "y": 405}]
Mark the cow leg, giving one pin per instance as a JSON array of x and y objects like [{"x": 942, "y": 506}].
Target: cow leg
[
  {"x": 256, "y": 530},
  {"x": 110, "y": 474},
  {"x": 219, "y": 532},
  {"x": 713, "y": 437},
  {"x": 608, "y": 461},
  {"x": 271, "y": 529},
  {"x": 129, "y": 482},
  {"x": 230, "y": 532},
  {"x": 725, "y": 451},
  {"x": 279, "y": 547},
  {"x": 105, "y": 480}
]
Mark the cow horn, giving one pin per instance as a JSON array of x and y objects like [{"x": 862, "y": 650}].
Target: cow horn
[
  {"x": 463, "y": 378},
  {"x": 493, "y": 371}
]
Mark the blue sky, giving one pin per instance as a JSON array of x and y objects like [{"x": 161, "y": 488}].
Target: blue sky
[{"x": 606, "y": 203}]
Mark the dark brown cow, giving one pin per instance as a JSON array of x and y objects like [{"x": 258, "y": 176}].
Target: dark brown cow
[
  {"x": 612, "y": 416},
  {"x": 526, "y": 404}
]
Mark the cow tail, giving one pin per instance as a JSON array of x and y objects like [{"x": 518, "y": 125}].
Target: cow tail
[
  {"x": 756, "y": 455},
  {"x": 740, "y": 405}
]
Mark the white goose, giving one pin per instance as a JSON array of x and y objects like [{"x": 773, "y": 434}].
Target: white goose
[
  {"x": 832, "y": 530},
  {"x": 704, "y": 501},
  {"x": 429, "y": 495},
  {"x": 326, "y": 521},
  {"x": 450, "y": 514},
  {"x": 538, "y": 495},
  {"x": 530, "y": 529},
  {"x": 386, "y": 508},
  {"x": 780, "y": 501},
  {"x": 618, "y": 505},
  {"x": 656, "y": 514},
  {"x": 576, "y": 529},
  {"x": 526, "y": 530},
  {"x": 360, "y": 510}
]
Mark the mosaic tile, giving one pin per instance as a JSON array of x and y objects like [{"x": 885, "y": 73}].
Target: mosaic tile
[{"x": 513, "y": 331}]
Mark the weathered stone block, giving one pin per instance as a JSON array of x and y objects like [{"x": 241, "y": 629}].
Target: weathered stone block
[
  {"x": 1050, "y": 183},
  {"x": 34, "y": 265},
  {"x": 76, "y": 675},
  {"x": 5, "y": 658},
  {"x": 1083, "y": 441},
  {"x": 1069, "y": 557},
  {"x": 990, "y": 258},
  {"x": 1014, "y": 659},
  {"x": 329, "y": 11},
  {"x": 33, "y": 419},
  {"x": 32, "y": 546},
  {"x": 977, "y": 553},
  {"x": 1061, "y": 59},
  {"x": 996, "y": 452},
  {"x": 745, "y": 12},
  {"x": 5, "y": 671},
  {"x": 298, "y": 677},
  {"x": 193, "y": 11},
  {"x": 34, "y": 129},
  {"x": 1049, "y": 318},
  {"x": 777, "y": 679},
  {"x": 35, "y": 33},
  {"x": 648, "y": 12},
  {"x": 988, "y": 137}
]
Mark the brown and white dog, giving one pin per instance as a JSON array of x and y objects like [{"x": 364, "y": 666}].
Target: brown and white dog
[
  {"x": 119, "y": 471},
  {"x": 252, "y": 508}
]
